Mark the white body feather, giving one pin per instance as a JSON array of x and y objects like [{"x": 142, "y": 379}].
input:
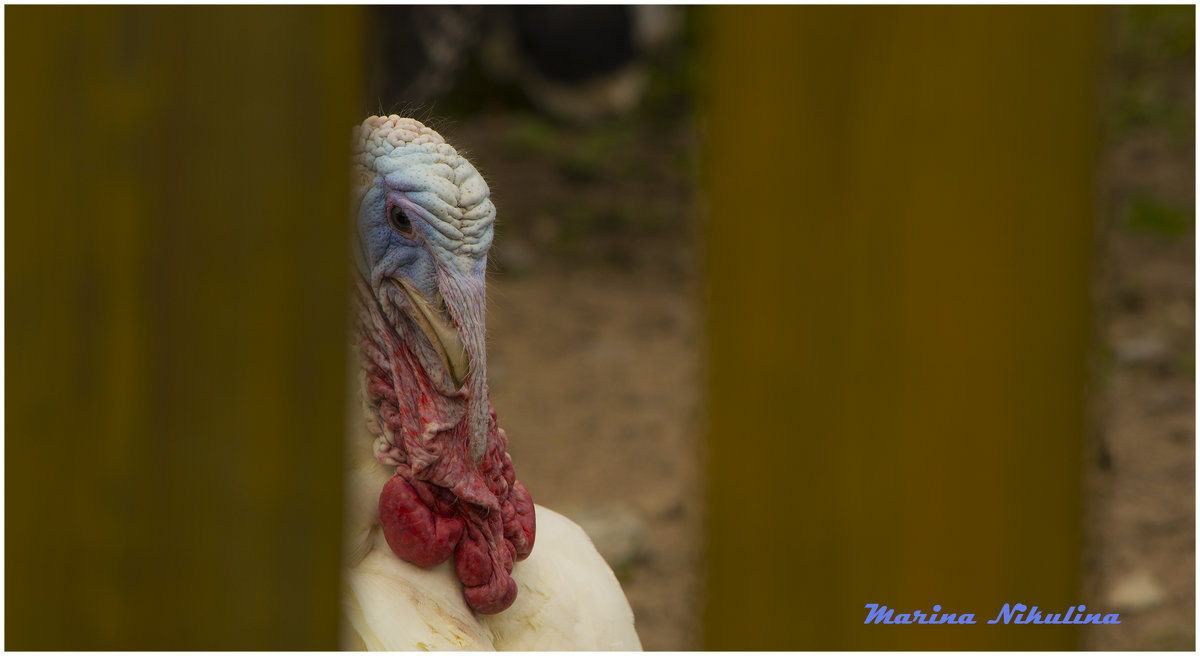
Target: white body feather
[{"x": 567, "y": 599}]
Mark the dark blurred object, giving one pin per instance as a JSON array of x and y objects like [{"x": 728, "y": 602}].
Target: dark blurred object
[
  {"x": 572, "y": 44},
  {"x": 175, "y": 291},
  {"x": 417, "y": 51},
  {"x": 577, "y": 63}
]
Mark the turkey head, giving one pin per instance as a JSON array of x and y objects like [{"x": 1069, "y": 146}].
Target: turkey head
[{"x": 423, "y": 229}]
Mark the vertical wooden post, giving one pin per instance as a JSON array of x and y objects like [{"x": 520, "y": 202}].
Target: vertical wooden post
[
  {"x": 175, "y": 282},
  {"x": 898, "y": 248}
]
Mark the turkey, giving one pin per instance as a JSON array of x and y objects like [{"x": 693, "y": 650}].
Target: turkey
[{"x": 440, "y": 536}]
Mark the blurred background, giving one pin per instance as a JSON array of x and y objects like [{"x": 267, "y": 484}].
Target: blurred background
[{"x": 794, "y": 309}]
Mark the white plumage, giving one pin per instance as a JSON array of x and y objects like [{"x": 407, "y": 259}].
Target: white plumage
[{"x": 568, "y": 597}]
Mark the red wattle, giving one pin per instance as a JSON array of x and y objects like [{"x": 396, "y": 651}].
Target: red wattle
[
  {"x": 442, "y": 502},
  {"x": 413, "y": 531},
  {"x": 484, "y": 544},
  {"x": 492, "y": 598}
]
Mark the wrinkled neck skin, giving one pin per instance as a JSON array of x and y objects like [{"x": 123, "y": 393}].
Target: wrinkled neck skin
[{"x": 454, "y": 492}]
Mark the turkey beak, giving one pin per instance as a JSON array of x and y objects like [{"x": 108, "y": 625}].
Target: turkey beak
[{"x": 441, "y": 333}]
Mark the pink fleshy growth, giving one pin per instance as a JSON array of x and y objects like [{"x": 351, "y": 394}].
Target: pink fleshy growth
[
  {"x": 521, "y": 527},
  {"x": 440, "y": 502},
  {"x": 413, "y": 530}
]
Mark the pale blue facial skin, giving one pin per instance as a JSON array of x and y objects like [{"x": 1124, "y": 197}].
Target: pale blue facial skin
[
  {"x": 390, "y": 254},
  {"x": 447, "y": 205},
  {"x": 441, "y": 255}
]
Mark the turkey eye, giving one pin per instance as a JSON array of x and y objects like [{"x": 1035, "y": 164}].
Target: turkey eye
[{"x": 398, "y": 219}]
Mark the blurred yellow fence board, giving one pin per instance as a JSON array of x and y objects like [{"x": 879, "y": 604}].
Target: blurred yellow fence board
[
  {"x": 898, "y": 248},
  {"x": 175, "y": 282}
]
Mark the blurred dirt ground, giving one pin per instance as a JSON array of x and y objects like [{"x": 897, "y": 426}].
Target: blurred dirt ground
[
  {"x": 1141, "y": 524},
  {"x": 596, "y": 344}
]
